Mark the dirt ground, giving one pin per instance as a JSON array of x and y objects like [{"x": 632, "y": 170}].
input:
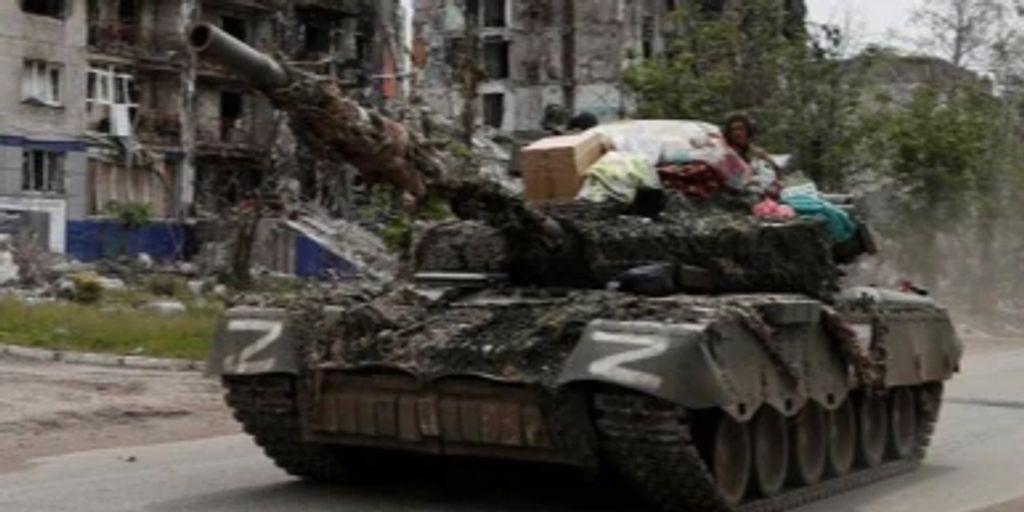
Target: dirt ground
[{"x": 54, "y": 408}]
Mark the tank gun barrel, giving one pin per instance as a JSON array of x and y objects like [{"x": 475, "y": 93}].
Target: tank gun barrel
[
  {"x": 331, "y": 123},
  {"x": 255, "y": 67}
]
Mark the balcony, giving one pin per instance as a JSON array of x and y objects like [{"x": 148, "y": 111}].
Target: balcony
[
  {"x": 159, "y": 128},
  {"x": 238, "y": 137},
  {"x": 259, "y": 5},
  {"x": 114, "y": 39},
  {"x": 128, "y": 41}
]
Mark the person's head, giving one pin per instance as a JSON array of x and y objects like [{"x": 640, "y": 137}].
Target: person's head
[
  {"x": 739, "y": 130},
  {"x": 583, "y": 122},
  {"x": 554, "y": 117}
]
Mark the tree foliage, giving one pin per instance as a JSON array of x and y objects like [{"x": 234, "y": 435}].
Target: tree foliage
[
  {"x": 748, "y": 59},
  {"x": 965, "y": 32}
]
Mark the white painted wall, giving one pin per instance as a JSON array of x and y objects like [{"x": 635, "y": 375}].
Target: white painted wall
[{"x": 57, "y": 210}]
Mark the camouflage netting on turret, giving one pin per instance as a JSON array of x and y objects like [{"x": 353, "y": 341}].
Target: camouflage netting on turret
[{"x": 587, "y": 245}]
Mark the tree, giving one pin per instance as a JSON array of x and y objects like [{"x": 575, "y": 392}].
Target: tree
[
  {"x": 938, "y": 150},
  {"x": 750, "y": 58},
  {"x": 984, "y": 35},
  {"x": 964, "y": 32}
]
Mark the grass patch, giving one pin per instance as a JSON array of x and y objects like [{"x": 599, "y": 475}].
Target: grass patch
[{"x": 68, "y": 326}]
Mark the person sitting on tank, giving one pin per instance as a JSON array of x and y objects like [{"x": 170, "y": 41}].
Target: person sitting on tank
[
  {"x": 583, "y": 121},
  {"x": 740, "y": 131}
]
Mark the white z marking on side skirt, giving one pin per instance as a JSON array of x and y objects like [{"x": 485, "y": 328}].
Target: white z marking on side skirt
[
  {"x": 243, "y": 361},
  {"x": 611, "y": 367}
]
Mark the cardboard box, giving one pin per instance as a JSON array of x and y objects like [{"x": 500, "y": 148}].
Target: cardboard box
[{"x": 553, "y": 168}]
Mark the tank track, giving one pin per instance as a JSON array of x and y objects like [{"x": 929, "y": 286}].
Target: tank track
[
  {"x": 650, "y": 444},
  {"x": 266, "y": 408}
]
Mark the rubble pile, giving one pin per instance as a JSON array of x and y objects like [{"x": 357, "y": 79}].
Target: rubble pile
[{"x": 367, "y": 251}]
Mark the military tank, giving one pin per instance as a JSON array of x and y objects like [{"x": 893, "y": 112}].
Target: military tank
[{"x": 723, "y": 376}]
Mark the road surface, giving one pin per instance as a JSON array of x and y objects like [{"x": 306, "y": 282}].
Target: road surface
[{"x": 976, "y": 464}]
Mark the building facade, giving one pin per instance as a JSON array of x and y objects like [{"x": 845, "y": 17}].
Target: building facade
[
  {"x": 103, "y": 102},
  {"x": 43, "y": 160},
  {"x": 532, "y": 54}
]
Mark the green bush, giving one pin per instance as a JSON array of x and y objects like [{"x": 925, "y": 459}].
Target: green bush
[
  {"x": 87, "y": 288},
  {"x": 131, "y": 214}
]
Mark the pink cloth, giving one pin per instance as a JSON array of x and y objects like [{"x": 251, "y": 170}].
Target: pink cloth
[{"x": 770, "y": 210}]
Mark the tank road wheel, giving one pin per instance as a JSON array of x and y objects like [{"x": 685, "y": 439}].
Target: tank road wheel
[
  {"x": 874, "y": 429},
  {"x": 903, "y": 432},
  {"x": 650, "y": 443},
  {"x": 810, "y": 444},
  {"x": 842, "y": 439},
  {"x": 731, "y": 459},
  {"x": 771, "y": 452}
]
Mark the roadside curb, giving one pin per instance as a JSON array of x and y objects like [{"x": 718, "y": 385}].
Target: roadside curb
[{"x": 104, "y": 360}]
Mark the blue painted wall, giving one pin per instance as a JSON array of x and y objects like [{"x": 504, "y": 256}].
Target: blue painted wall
[
  {"x": 314, "y": 262},
  {"x": 93, "y": 240}
]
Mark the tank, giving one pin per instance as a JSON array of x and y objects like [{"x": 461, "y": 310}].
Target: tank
[{"x": 713, "y": 362}]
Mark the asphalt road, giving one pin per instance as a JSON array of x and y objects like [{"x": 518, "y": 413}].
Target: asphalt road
[{"x": 977, "y": 463}]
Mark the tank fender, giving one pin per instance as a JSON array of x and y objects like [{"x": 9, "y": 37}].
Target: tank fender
[
  {"x": 669, "y": 361},
  {"x": 253, "y": 341}
]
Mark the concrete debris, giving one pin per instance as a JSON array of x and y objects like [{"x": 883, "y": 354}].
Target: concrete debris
[
  {"x": 145, "y": 261},
  {"x": 367, "y": 251},
  {"x": 112, "y": 283},
  {"x": 196, "y": 287},
  {"x": 167, "y": 308},
  {"x": 9, "y": 270}
]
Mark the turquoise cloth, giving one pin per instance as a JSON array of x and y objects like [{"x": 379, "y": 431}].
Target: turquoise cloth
[{"x": 841, "y": 227}]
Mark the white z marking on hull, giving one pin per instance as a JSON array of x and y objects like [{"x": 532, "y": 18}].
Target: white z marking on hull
[{"x": 612, "y": 367}]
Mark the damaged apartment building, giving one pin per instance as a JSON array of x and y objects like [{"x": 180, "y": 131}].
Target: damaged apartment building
[
  {"x": 104, "y": 104},
  {"x": 532, "y": 55}
]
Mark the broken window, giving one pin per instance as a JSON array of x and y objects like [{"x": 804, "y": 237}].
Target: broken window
[
  {"x": 52, "y": 8},
  {"x": 455, "y": 52},
  {"x": 236, "y": 27},
  {"x": 494, "y": 110},
  {"x": 127, "y": 12},
  {"x": 42, "y": 171},
  {"x": 496, "y": 58},
  {"x": 648, "y": 37},
  {"x": 112, "y": 92},
  {"x": 41, "y": 83},
  {"x": 232, "y": 106},
  {"x": 494, "y": 13},
  {"x": 316, "y": 38}
]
